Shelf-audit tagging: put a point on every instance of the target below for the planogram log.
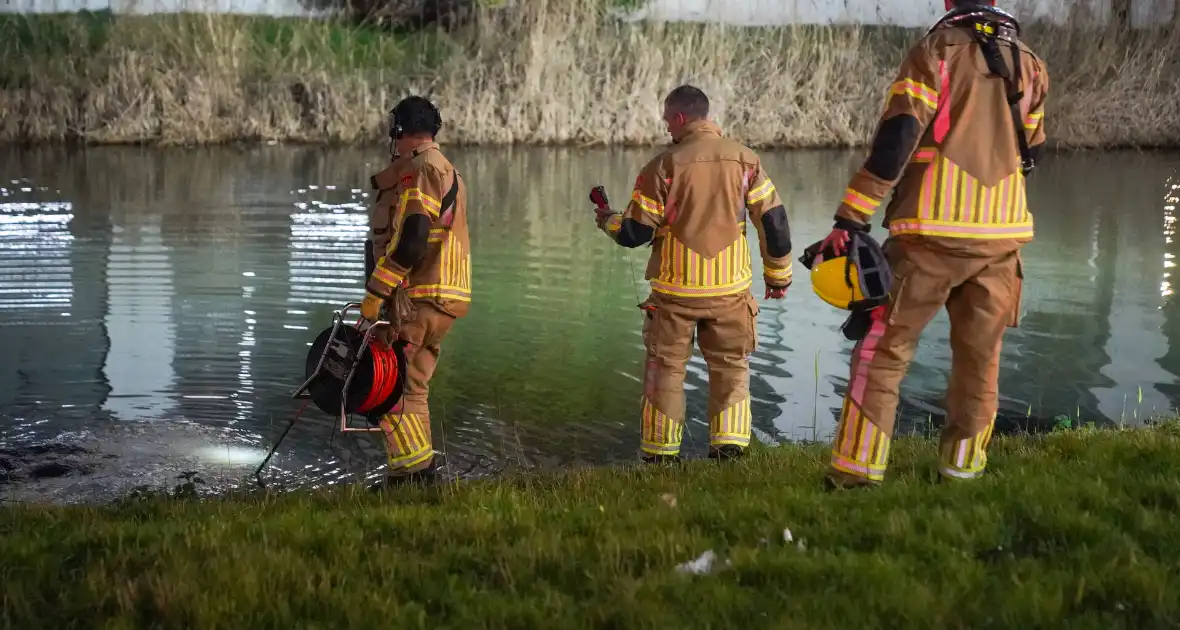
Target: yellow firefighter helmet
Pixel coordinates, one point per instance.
(859, 279)
(834, 284)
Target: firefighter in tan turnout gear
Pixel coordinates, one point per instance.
(963, 122)
(691, 203)
(418, 260)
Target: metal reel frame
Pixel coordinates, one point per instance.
(301, 392)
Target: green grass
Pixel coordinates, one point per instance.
(1077, 529)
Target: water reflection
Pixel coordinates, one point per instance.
(181, 288)
(36, 267)
(140, 330)
(325, 262)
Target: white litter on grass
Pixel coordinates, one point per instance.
(703, 565)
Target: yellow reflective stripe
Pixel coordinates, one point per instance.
(732, 425)
(454, 264)
(411, 460)
(859, 448)
(1033, 120)
(920, 91)
(860, 202)
(647, 203)
(660, 434)
(959, 229)
(951, 200)
(966, 458)
(406, 440)
(613, 224)
(684, 272)
(845, 465)
(386, 276)
(777, 274)
(760, 192)
(457, 294)
(430, 204)
(669, 288)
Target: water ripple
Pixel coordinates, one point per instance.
(157, 306)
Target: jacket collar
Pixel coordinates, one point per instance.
(696, 129)
(389, 176)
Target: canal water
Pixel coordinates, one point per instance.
(156, 307)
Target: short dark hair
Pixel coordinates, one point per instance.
(688, 100)
(415, 115)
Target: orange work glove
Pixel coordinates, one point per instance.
(371, 306)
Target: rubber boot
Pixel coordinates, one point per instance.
(835, 480)
(727, 452)
(425, 477)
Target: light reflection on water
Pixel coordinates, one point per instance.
(176, 292)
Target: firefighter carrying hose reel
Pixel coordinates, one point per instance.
(350, 369)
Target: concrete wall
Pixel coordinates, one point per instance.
(913, 13)
(254, 7)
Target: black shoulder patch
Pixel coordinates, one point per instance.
(777, 231)
(895, 141)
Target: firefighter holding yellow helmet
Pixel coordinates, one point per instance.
(962, 125)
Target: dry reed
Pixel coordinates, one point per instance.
(550, 72)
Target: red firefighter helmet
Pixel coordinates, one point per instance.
(950, 4)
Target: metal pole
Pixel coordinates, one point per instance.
(278, 442)
(266, 460)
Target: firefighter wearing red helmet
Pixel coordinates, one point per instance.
(963, 123)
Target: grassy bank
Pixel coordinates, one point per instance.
(556, 71)
(1075, 529)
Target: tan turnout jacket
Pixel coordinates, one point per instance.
(698, 195)
(962, 187)
(418, 183)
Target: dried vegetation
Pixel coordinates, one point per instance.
(544, 72)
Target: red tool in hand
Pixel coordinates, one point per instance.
(601, 203)
(602, 210)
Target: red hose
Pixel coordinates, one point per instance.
(385, 376)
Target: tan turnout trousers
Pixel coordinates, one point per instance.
(982, 298)
(726, 332)
(407, 427)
